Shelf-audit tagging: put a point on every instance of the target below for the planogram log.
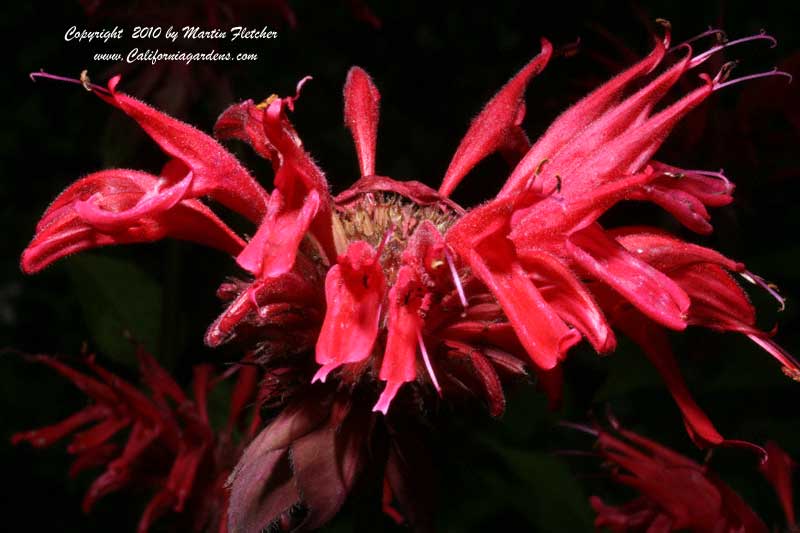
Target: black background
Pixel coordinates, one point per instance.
(436, 64)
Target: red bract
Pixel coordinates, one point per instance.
(393, 295)
(676, 493)
(171, 445)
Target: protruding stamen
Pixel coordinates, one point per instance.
(385, 240)
(292, 99)
(456, 278)
(612, 418)
(720, 35)
(790, 366)
(749, 446)
(267, 101)
(251, 295)
(428, 362)
(83, 80)
(569, 49)
(763, 36)
(725, 72)
(667, 25)
(580, 427)
(773, 72)
(711, 174)
(771, 288)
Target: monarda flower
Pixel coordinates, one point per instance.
(390, 296)
(677, 493)
(171, 445)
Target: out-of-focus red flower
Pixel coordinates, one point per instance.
(391, 293)
(171, 445)
(779, 470)
(676, 493)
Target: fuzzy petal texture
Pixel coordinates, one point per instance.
(361, 113)
(354, 292)
(576, 119)
(120, 207)
(245, 122)
(400, 358)
(498, 124)
(654, 293)
(217, 173)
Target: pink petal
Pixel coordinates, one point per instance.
(217, 173)
(655, 294)
(498, 121)
(655, 345)
(271, 251)
(575, 119)
(400, 358)
(361, 113)
(718, 302)
(710, 188)
(600, 137)
(542, 333)
(65, 233)
(667, 253)
(153, 202)
(779, 469)
(687, 209)
(354, 291)
(245, 122)
(570, 299)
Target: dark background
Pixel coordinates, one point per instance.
(436, 65)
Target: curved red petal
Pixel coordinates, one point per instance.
(497, 123)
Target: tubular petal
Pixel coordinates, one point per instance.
(778, 469)
(399, 360)
(354, 291)
(245, 122)
(497, 123)
(655, 294)
(655, 345)
(361, 114)
(543, 334)
(217, 172)
(576, 118)
(568, 296)
(271, 251)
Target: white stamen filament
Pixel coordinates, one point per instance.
(711, 174)
(428, 362)
(773, 72)
(456, 279)
(699, 59)
(711, 31)
(757, 280)
(385, 240)
(789, 363)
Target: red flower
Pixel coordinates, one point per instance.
(779, 469)
(123, 206)
(171, 445)
(676, 493)
(419, 294)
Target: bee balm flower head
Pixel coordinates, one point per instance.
(392, 295)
